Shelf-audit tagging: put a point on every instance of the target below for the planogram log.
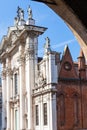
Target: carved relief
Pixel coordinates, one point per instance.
(41, 80)
(15, 70)
(14, 36)
(21, 59)
(29, 53)
(9, 72)
(3, 74)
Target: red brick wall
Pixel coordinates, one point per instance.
(74, 114)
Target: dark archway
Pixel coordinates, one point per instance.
(74, 13)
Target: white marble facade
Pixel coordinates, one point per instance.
(28, 82)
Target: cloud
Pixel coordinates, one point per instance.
(58, 45)
(63, 43)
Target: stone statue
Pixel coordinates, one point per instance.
(20, 13)
(47, 45)
(29, 12)
(47, 42)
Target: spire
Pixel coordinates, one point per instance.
(30, 20)
(65, 48)
(81, 53)
(81, 65)
(81, 61)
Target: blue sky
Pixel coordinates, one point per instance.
(58, 32)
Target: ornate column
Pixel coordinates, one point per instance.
(3, 96)
(21, 85)
(8, 85)
(30, 70)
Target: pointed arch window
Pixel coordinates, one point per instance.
(61, 109)
(76, 109)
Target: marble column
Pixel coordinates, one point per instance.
(8, 85)
(22, 85)
(30, 71)
(3, 96)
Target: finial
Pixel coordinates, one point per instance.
(30, 15)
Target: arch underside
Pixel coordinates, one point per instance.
(74, 14)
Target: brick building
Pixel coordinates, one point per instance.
(72, 93)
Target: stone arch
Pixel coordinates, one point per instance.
(72, 21)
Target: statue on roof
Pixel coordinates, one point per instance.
(47, 45)
(29, 13)
(47, 42)
(20, 13)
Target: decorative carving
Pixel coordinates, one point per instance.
(14, 36)
(21, 59)
(9, 72)
(15, 70)
(3, 74)
(29, 53)
(41, 81)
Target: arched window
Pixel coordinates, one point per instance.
(61, 109)
(76, 109)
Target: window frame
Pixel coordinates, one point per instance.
(37, 115)
(45, 118)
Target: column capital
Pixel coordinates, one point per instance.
(3, 74)
(9, 72)
(29, 53)
(21, 59)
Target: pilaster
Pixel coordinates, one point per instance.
(3, 96)
(21, 60)
(30, 72)
(52, 69)
(8, 85)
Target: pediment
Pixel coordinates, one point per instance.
(67, 69)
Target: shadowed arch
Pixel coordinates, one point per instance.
(72, 18)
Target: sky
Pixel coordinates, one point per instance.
(58, 32)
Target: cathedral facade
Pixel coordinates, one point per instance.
(46, 93)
